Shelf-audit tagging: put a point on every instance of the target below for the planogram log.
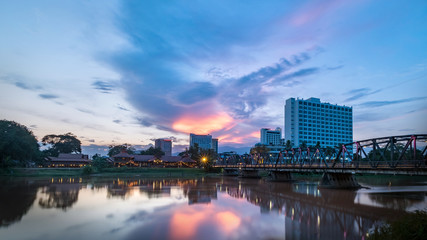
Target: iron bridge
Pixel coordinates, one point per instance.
(405, 154)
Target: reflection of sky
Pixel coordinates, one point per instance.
(95, 216)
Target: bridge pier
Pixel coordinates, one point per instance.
(244, 173)
(230, 172)
(281, 176)
(339, 180)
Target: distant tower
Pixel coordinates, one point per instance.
(203, 141)
(165, 145)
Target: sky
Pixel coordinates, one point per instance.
(114, 72)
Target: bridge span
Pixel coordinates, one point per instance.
(402, 155)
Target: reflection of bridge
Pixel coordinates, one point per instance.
(387, 155)
(310, 212)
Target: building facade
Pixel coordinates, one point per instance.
(165, 145)
(203, 141)
(215, 145)
(270, 137)
(312, 121)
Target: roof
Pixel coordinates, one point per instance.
(65, 157)
(72, 156)
(123, 155)
(177, 159)
(143, 158)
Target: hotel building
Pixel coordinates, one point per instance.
(270, 137)
(312, 121)
(165, 145)
(204, 142)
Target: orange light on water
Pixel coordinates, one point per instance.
(202, 124)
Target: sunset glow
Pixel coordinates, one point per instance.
(202, 124)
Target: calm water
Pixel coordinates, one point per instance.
(209, 208)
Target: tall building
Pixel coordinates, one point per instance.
(165, 145)
(215, 145)
(312, 121)
(203, 141)
(270, 137)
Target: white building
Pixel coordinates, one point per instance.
(203, 141)
(311, 121)
(165, 145)
(270, 137)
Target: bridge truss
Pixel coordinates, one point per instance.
(395, 152)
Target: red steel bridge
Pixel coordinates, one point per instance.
(405, 155)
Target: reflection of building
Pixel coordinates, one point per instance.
(165, 145)
(68, 160)
(270, 137)
(311, 121)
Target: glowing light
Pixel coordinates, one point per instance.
(202, 124)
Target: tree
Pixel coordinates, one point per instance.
(303, 145)
(157, 152)
(259, 149)
(100, 163)
(116, 149)
(64, 143)
(17, 143)
(288, 145)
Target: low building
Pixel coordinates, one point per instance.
(68, 160)
(130, 160)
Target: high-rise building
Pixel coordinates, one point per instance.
(312, 121)
(215, 145)
(270, 137)
(165, 145)
(203, 141)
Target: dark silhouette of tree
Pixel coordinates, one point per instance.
(157, 152)
(259, 149)
(64, 143)
(288, 145)
(100, 163)
(303, 145)
(116, 149)
(17, 143)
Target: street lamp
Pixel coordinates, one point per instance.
(204, 159)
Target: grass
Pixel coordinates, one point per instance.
(108, 172)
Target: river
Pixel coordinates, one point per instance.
(200, 208)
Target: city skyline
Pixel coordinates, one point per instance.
(129, 72)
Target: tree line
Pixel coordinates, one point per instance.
(20, 148)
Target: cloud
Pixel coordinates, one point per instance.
(360, 93)
(48, 96)
(245, 95)
(103, 86)
(117, 121)
(386, 103)
(24, 86)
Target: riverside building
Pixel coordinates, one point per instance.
(312, 121)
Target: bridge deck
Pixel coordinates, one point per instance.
(322, 169)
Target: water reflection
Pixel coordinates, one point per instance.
(16, 198)
(207, 208)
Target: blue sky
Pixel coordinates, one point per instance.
(115, 72)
